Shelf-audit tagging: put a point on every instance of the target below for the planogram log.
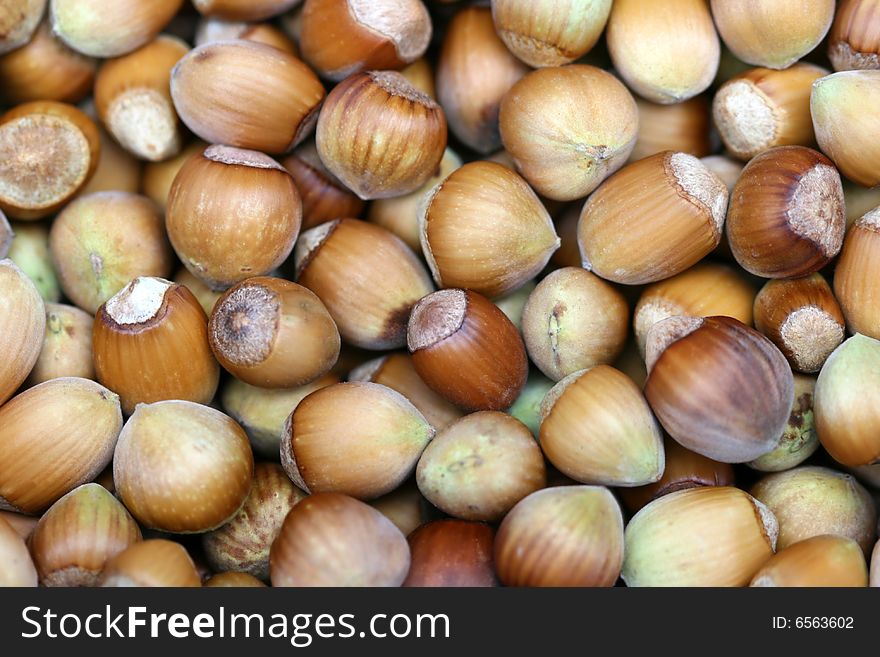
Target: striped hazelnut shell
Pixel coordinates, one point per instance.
(79, 534)
(367, 278)
(704, 536)
(857, 274)
(786, 216)
(360, 439)
(467, 350)
(562, 536)
(182, 467)
(330, 539)
(686, 205)
(597, 428)
(150, 342)
(60, 434)
(718, 387)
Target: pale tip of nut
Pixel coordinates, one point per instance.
(816, 211)
(5, 505)
(423, 211)
(435, 317)
(214, 29)
(870, 220)
(664, 333)
(745, 118)
(139, 301)
(367, 371)
(844, 58)
(647, 314)
(406, 23)
(763, 581)
(288, 460)
(144, 122)
(45, 159)
(396, 84)
(769, 523)
(244, 324)
(241, 157)
(6, 235)
(309, 242)
(702, 187)
(810, 334)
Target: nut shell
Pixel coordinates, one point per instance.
(857, 274)
(451, 553)
(154, 562)
(361, 439)
(854, 42)
(79, 534)
(232, 214)
(767, 33)
(380, 135)
(45, 69)
(262, 412)
(703, 290)
(243, 543)
(573, 320)
(484, 229)
(819, 561)
(597, 428)
(718, 387)
(467, 350)
(378, 34)
(219, 92)
(22, 327)
(150, 342)
(666, 52)
(683, 469)
(802, 318)
(16, 566)
(683, 127)
(133, 99)
(366, 276)
(18, 22)
(182, 467)
(237, 580)
(474, 72)
(844, 131)
(330, 539)
(273, 333)
(244, 10)
(686, 203)
(30, 251)
(101, 241)
(398, 372)
(49, 151)
(95, 28)
(61, 433)
(566, 536)
(480, 466)
(847, 402)
(762, 108)
(323, 197)
(67, 345)
(800, 438)
(705, 536)
(811, 501)
(786, 216)
(588, 127)
(550, 33)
